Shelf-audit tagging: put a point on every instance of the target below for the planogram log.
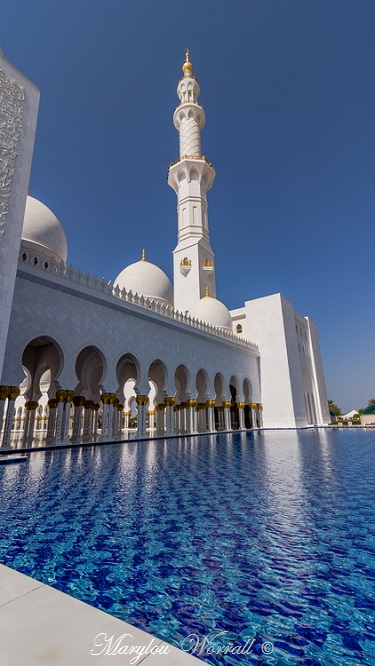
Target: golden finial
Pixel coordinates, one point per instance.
(143, 255)
(187, 67)
(207, 294)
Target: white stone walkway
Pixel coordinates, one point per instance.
(40, 626)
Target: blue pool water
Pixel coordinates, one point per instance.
(266, 537)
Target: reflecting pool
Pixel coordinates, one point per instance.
(242, 549)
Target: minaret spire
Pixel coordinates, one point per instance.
(191, 176)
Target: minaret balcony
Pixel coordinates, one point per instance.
(208, 266)
(185, 266)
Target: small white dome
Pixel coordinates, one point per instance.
(211, 311)
(146, 279)
(42, 231)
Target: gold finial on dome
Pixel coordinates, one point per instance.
(207, 293)
(143, 255)
(187, 67)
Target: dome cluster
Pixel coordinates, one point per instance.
(43, 233)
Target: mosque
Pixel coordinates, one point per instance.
(83, 359)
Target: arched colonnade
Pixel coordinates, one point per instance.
(154, 397)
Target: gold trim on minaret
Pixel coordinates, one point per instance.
(207, 292)
(187, 67)
(143, 255)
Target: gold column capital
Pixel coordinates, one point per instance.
(14, 392)
(79, 401)
(61, 395)
(160, 407)
(169, 401)
(253, 405)
(191, 402)
(96, 407)
(142, 400)
(120, 407)
(31, 405)
(201, 405)
(52, 403)
(4, 392)
(226, 404)
(241, 405)
(259, 405)
(106, 398)
(211, 403)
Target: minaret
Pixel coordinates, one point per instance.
(191, 176)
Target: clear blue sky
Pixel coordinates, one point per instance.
(288, 88)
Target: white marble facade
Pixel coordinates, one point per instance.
(88, 359)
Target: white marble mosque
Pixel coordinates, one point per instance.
(83, 359)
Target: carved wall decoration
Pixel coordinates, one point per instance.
(12, 102)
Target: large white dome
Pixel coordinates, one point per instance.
(146, 279)
(42, 231)
(211, 311)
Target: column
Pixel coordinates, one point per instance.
(227, 421)
(60, 395)
(159, 409)
(142, 401)
(202, 417)
(151, 419)
(79, 402)
(4, 393)
(127, 418)
(220, 417)
(210, 407)
(12, 395)
(176, 419)
(120, 409)
(95, 418)
(28, 426)
(241, 415)
(191, 414)
(113, 402)
(253, 409)
(66, 417)
(260, 414)
(105, 398)
(52, 415)
(169, 416)
(88, 419)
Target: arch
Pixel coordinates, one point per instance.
(202, 385)
(182, 382)
(234, 392)
(247, 390)
(194, 175)
(158, 374)
(42, 354)
(239, 329)
(219, 386)
(90, 368)
(127, 367)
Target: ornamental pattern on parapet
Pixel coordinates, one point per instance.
(12, 102)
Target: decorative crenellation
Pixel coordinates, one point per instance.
(58, 269)
(12, 102)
